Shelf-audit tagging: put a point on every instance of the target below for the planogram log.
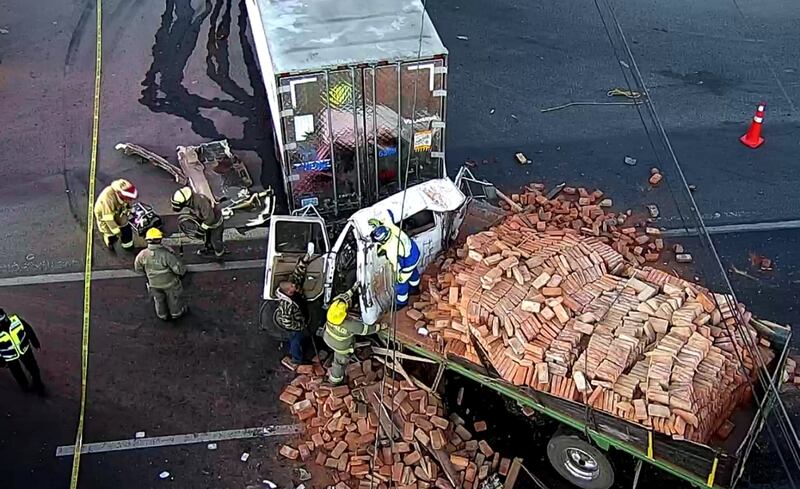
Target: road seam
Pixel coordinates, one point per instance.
(119, 273)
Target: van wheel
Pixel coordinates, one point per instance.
(267, 322)
(580, 463)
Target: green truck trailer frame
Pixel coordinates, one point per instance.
(654, 448)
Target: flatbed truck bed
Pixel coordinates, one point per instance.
(719, 464)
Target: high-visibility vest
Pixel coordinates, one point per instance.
(339, 338)
(14, 343)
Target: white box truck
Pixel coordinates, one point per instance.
(356, 89)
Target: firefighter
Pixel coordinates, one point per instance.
(111, 211)
(209, 215)
(16, 339)
(401, 251)
(340, 333)
(292, 312)
(164, 271)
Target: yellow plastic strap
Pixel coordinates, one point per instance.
(650, 445)
(710, 481)
(87, 271)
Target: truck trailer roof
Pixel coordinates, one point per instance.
(307, 36)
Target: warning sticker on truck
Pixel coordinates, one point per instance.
(423, 140)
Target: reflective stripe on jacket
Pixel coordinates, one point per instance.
(341, 338)
(14, 343)
(401, 251)
(110, 212)
(162, 267)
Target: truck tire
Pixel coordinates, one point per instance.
(266, 320)
(578, 462)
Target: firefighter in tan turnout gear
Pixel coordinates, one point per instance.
(208, 213)
(164, 271)
(111, 211)
(340, 333)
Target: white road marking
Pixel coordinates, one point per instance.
(735, 228)
(173, 440)
(55, 278)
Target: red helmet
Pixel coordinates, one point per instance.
(125, 189)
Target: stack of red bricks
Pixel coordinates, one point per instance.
(417, 445)
(574, 316)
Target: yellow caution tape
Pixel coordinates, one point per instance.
(650, 445)
(710, 481)
(87, 272)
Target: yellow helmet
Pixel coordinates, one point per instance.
(337, 311)
(181, 197)
(153, 234)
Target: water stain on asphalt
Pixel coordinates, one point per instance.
(164, 89)
(77, 33)
(710, 81)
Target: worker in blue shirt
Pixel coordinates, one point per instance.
(401, 251)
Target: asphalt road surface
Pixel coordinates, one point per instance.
(183, 72)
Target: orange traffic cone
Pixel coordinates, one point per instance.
(753, 137)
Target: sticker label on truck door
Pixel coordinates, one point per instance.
(423, 141)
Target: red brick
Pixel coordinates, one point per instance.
(479, 426)
(340, 390)
(437, 440)
(485, 449)
(412, 458)
(401, 447)
(397, 471)
(421, 436)
(289, 452)
(339, 449)
(505, 464)
(287, 398)
(459, 461)
(440, 422)
(305, 369)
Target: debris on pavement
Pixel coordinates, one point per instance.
(211, 446)
(163, 475)
(139, 434)
(762, 262)
(418, 445)
(462, 38)
(653, 210)
(630, 161)
(303, 474)
(269, 484)
(683, 257)
(556, 298)
(578, 210)
(3, 31)
(244, 457)
(655, 177)
(522, 159)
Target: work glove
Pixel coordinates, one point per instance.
(374, 222)
(309, 250)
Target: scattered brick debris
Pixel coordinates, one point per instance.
(342, 423)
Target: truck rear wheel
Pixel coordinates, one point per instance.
(580, 463)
